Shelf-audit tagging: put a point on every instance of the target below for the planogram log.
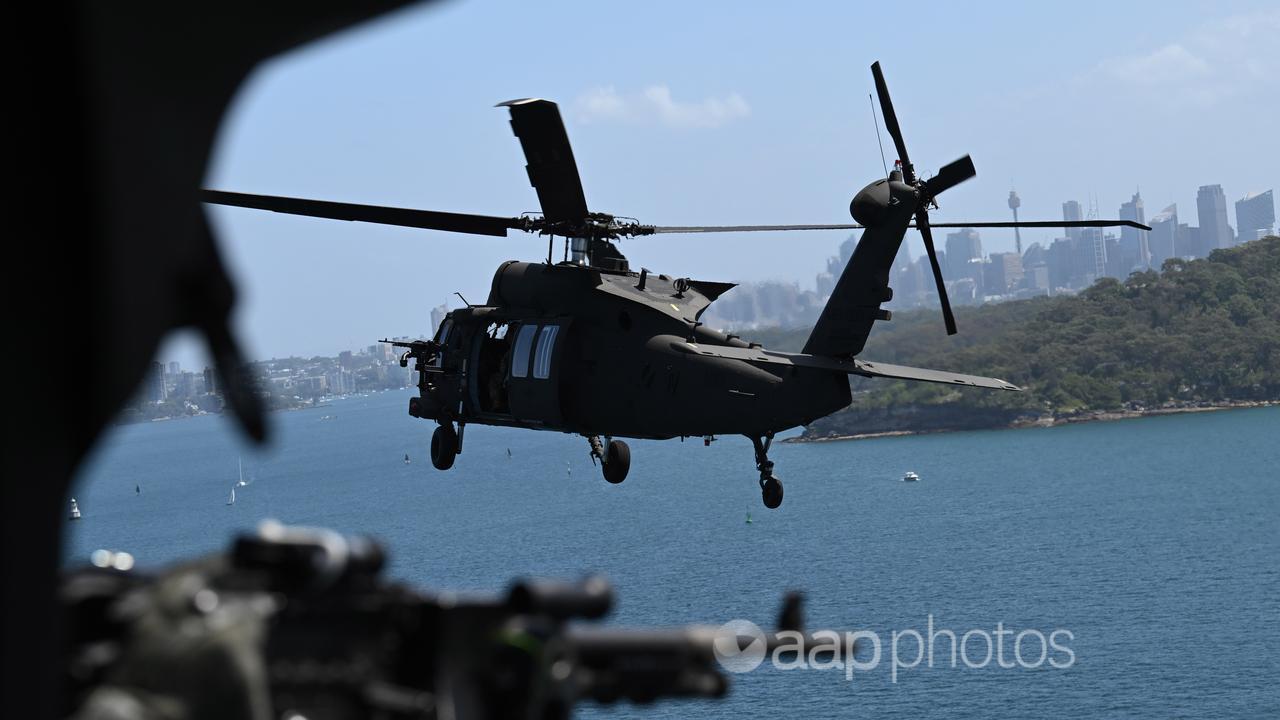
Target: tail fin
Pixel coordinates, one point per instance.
(846, 321)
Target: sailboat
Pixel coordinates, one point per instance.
(75, 510)
(232, 500)
(137, 489)
(748, 518)
(508, 453)
(406, 458)
(241, 482)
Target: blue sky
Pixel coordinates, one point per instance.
(715, 113)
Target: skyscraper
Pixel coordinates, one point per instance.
(1256, 215)
(1091, 249)
(1163, 239)
(1211, 205)
(155, 383)
(963, 246)
(1071, 212)
(438, 314)
(1014, 204)
(1134, 242)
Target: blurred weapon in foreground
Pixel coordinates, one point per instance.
(296, 623)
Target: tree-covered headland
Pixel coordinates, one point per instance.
(1196, 333)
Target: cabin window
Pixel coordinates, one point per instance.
(546, 343)
(520, 355)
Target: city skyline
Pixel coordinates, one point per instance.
(740, 114)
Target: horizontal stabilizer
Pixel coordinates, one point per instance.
(904, 372)
(852, 366)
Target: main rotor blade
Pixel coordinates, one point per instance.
(951, 174)
(1048, 223)
(552, 170)
(891, 123)
(745, 228)
(403, 217)
(922, 223)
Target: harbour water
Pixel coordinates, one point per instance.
(1155, 543)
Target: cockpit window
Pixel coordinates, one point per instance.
(520, 355)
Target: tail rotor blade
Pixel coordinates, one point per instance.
(951, 175)
(922, 224)
(891, 123)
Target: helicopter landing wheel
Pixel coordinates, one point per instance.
(617, 461)
(770, 486)
(444, 447)
(771, 491)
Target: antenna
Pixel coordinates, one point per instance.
(878, 140)
(464, 300)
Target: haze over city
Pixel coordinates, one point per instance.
(691, 122)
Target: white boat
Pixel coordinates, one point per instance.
(910, 477)
(232, 500)
(75, 510)
(406, 458)
(240, 482)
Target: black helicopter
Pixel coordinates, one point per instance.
(590, 347)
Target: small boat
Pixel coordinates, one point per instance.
(232, 500)
(748, 518)
(406, 458)
(240, 482)
(568, 469)
(508, 453)
(137, 489)
(75, 510)
(910, 477)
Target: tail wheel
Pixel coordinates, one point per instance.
(617, 461)
(444, 447)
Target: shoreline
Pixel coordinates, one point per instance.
(1046, 421)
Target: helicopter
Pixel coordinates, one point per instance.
(589, 346)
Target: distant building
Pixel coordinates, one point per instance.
(155, 383)
(1215, 233)
(1091, 256)
(438, 314)
(1071, 212)
(1036, 278)
(210, 381)
(1060, 260)
(1255, 215)
(1035, 268)
(184, 385)
(963, 247)
(1189, 242)
(1163, 238)
(1134, 250)
(1014, 203)
(174, 367)
(826, 281)
(1003, 273)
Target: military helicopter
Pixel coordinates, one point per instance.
(588, 346)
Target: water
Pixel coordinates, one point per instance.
(1153, 541)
